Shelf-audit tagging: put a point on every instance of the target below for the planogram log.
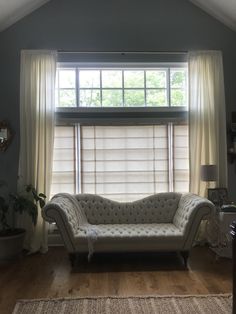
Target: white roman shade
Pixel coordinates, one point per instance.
(64, 160)
(126, 163)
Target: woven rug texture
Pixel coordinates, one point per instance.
(208, 304)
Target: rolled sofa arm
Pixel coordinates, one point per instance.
(64, 210)
(192, 209)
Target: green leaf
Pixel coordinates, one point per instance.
(24, 203)
(41, 203)
(28, 188)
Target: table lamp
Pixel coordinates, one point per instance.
(208, 174)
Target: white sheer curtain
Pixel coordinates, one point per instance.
(207, 121)
(37, 81)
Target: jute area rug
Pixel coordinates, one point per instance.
(208, 304)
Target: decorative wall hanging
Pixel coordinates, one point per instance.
(6, 135)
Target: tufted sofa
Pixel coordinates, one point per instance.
(161, 222)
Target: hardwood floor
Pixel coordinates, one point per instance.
(50, 276)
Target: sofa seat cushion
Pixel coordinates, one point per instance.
(131, 237)
(132, 231)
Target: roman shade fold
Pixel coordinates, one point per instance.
(126, 163)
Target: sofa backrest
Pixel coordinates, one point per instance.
(157, 208)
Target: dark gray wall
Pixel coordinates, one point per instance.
(108, 25)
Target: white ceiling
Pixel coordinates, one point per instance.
(13, 10)
(223, 10)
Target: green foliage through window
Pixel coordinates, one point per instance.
(122, 87)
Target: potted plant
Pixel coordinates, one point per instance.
(11, 237)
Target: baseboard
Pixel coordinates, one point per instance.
(222, 252)
(54, 239)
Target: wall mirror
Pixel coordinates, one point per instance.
(5, 135)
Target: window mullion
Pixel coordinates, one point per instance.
(170, 156)
(101, 88)
(154, 160)
(77, 87)
(168, 87)
(95, 158)
(58, 89)
(79, 162)
(123, 89)
(145, 89)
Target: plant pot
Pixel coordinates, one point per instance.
(11, 244)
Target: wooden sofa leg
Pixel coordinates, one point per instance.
(185, 255)
(72, 257)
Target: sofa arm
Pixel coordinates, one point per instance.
(191, 210)
(64, 209)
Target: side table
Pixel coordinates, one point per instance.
(233, 235)
(222, 244)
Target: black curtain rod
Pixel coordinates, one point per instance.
(123, 53)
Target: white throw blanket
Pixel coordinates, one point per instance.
(90, 230)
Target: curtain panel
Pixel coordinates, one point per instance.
(37, 84)
(207, 119)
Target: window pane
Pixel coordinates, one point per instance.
(156, 98)
(112, 98)
(66, 78)
(133, 79)
(89, 78)
(56, 98)
(111, 79)
(90, 98)
(178, 97)
(57, 80)
(156, 79)
(177, 78)
(67, 98)
(134, 98)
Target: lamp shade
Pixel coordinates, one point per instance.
(208, 173)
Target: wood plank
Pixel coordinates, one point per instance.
(50, 276)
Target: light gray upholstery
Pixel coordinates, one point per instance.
(161, 222)
(159, 208)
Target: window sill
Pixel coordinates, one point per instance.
(127, 115)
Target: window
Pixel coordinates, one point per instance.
(136, 148)
(129, 87)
